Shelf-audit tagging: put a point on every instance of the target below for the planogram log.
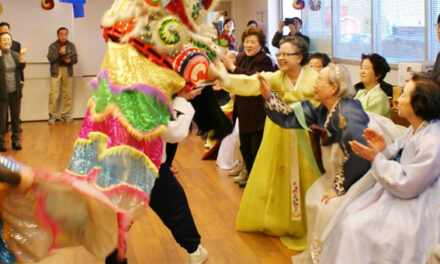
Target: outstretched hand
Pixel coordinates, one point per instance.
(24, 50)
(264, 86)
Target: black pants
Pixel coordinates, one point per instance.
(169, 202)
(249, 145)
(13, 103)
(171, 150)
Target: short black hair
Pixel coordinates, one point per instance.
(62, 28)
(380, 64)
(301, 44)
(438, 19)
(252, 22)
(425, 99)
(325, 59)
(5, 24)
(4, 33)
(299, 19)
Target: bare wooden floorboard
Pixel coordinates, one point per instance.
(213, 197)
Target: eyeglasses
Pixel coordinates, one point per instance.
(287, 54)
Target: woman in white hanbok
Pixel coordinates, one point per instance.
(398, 219)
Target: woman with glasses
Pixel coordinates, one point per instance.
(284, 167)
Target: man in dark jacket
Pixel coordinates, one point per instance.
(295, 26)
(62, 56)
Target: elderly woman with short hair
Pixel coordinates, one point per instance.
(249, 109)
(338, 120)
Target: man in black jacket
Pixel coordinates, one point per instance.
(295, 26)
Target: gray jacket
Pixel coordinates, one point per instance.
(54, 57)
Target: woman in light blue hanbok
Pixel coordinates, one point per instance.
(398, 219)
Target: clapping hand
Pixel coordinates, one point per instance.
(24, 50)
(229, 64)
(375, 139)
(66, 59)
(63, 50)
(375, 144)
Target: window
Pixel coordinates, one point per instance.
(352, 28)
(287, 11)
(434, 44)
(400, 30)
(318, 27)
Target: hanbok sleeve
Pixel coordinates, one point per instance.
(413, 174)
(301, 115)
(378, 103)
(245, 85)
(392, 150)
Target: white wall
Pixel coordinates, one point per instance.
(37, 28)
(34, 104)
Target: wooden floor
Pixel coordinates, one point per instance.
(213, 197)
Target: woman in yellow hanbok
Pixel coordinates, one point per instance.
(273, 200)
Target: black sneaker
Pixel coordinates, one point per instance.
(16, 145)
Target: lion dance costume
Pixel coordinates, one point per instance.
(154, 49)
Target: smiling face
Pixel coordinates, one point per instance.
(251, 45)
(405, 108)
(5, 42)
(323, 88)
(287, 61)
(367, 74)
